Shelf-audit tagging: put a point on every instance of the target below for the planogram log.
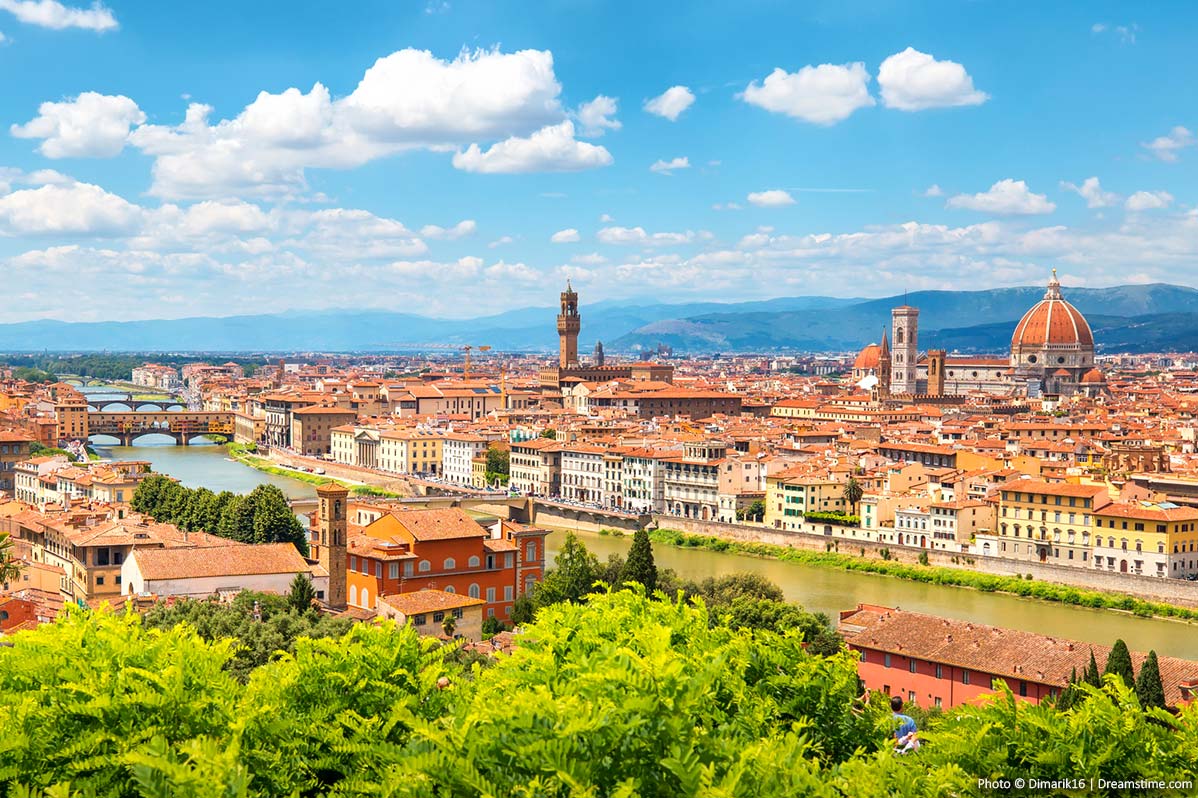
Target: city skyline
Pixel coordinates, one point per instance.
(455, 159)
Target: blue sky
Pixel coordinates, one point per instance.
(461, 158)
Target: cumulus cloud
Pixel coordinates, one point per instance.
(597, 116)
(90, 125)
(823, 95)
(56, 16)
(933, 190)
(1168, 147)
(662, 167)
(10, 177)
(1148, 201)
(461, 229)
(567, 236)
(636, 236)
(773, 198)
(671, 103)
(550, 149)
(502, 241)
(407, 100)
(914, 81)
(1006, 197)
(75, 209)
(1092, 193)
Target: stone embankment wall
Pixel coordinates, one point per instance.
(1174, 591)
(395, 484)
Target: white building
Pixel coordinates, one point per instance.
(582, 473)
(457, 455)
(642, 478)
(202, 572)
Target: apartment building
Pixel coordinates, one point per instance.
(1152, 538)
(1046, 522)
(536, 467)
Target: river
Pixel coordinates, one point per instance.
(829, 590)
(824, 590)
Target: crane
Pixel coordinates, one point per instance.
(467, 349)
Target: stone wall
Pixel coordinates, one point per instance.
(395, 484)
(1175, 591)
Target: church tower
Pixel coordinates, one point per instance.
(905, 333)
(884, 370)
(331, 538)
(599, 356)
(568, 324)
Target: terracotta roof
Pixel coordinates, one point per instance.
(267, 558)
(424, 601)
(443, 524)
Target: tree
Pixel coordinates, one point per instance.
(1119, 663)
(853, 493)
(273, 520)
(1092, 675)
(524, 609)
(640, 567)
(302, 594)
(1070, 695)
(491, 627)
(499, 463)
(754, 512)
(448, 625)
(549, 433)
(1149, 687)
(573, 576)
(10, 566)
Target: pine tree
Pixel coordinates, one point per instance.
(301, 594)
(1092, 675)
(1149, 687)
(1069, 696)
(639, 567)
(1119, 663)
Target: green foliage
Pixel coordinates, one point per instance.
(754, 512)
(262, 516)
(923, 558)
(639, 567)
(491, 627)
(30, 374)
(573, 576)
(370, 490)
(836, 519)
(260, 632)
(499, 463)
(550, 433)
(1092, 676)
(10, 567)
(40, 450)
(302, 594)
(1119, 664)
(853, 492)
(1149, 689)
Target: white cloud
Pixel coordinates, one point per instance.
(606, 218)
(773, 198)
(1092, 193)
(78, 209)
(512, 272)
(3, 38)
(933, 190)
(500, 242)
(90, 125)
(823, 95)
(668, 167)
(1166, 147)
(590, 259)
(550, 149)
(1148, 201)
(671, 103)
(914, 81)
(597, 116)
(10, 177)
(1006, 197)
(54, 15)
(567, 236)
(726, 206)
(461, 229)
(1126, 33)
(636, 236)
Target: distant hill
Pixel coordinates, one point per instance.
(1134, 318)
(366, 330)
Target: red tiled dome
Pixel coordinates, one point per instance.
(1052, 321)
(1093, 376)
(868, 358)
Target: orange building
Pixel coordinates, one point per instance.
(404, 551)
(944, 662)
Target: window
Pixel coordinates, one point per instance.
(508, 560)
(353, 594)
(911, 665)
(353, 563)
(964, 677)
(425, 565)
(1023, 689)
(458, 613)
(393, 570)
(99, 580)
(508, 592)
(886, 661)
(939, 671)
(938, 702)
(491, 594)
(530, 551)
(450, 563)
(378, 569)
(449, 589)
(910, 696)
(473, 591)
(407, 568)
(418, 620)
(474, 561)
(438, 617)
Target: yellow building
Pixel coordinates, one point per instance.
(788, 498)
(1049, 522)
(410, 452)
(1155, 539)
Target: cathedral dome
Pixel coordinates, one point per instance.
(1052, 322)
(868, 358)
(1093, 376)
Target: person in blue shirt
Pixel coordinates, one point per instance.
(905, 733)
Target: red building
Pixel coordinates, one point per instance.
(402, 551)
(943, 662)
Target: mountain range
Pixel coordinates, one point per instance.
(1130, 318)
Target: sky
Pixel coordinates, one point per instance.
(456, 158)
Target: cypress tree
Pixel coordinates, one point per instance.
(639, 567)
(1149, 687)
(301, 594)
(1069, 696)
(1119, 663)
(1092, 675)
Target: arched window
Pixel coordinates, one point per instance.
(425, 565)
(530, 551)
(473, 591)
(450, 563)
(365, 598)
(474, 561)
(449, 589)
(353, 594)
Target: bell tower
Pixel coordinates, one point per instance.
(905, 340)
(331, 538)
(884, 369)
(568, 325)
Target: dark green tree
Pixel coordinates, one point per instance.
(499, 464)
(852, 494)
(524, 609)
(1149, 687)
(1069, 696)
(639, 566)
(549, 433)
(1119, 663)
(491, 627)
(302, 594)
(10, 567)
(612, 569)
(573, 576)
(273, 520)
(1093, 676)
(754, 512)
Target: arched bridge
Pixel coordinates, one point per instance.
(104, 401)
(128, 426)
